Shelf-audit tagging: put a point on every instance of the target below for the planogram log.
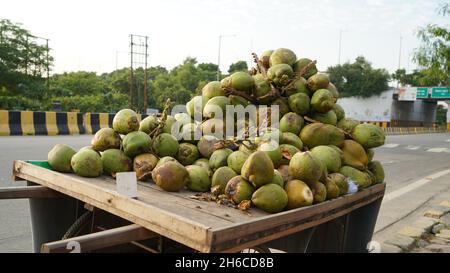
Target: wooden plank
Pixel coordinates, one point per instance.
(174, 226)
(197, 224)
(167, 202)
(28, 192)
(102, 239)
(227, 213)
(264, 229)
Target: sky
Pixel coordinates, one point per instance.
(93, 35)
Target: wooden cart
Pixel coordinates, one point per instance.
(159, 221)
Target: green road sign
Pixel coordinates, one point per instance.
(440, 92)
(422, 92)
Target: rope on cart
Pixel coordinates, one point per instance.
(77, 225)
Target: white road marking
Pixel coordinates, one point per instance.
(390, 145)
(414, 185)
(412, 147)
(389, 162)
(437, 150)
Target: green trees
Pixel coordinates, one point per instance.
(23, 62)
(358, 78)
(238, 66)
(181, 83)
(432, 57)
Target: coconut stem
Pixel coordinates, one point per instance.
(259, 66)
(304, 69)
(232, 91)
(158, 130)
(299, 75)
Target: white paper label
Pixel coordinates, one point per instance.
(127, 184)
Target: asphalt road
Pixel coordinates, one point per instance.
(406, 160)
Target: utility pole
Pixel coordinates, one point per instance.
(218, 59)
(139, 56)
(117, 56)
(145, 75)
(340, 46)
(131, 72)
(218, 55)
(48, 66)
(399, 57)
(400, 53)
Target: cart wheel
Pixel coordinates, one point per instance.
(256, 249)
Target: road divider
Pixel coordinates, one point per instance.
(414, 130)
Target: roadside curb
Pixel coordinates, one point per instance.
(428, 234)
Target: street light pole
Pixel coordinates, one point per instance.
(340, 46)
(218, 59)
(218, 55)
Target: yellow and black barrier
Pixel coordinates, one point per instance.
(40, 123)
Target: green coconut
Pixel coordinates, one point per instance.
(280, 74)
(211, 90)
(328, 117)
(87, 163)
(125, 121)
(361, 179)
(170, 176)
(291, 122)
(258, 169)
(136, 143)
(347, 124)
(282, 56)
(329, 156)
(220, 179)
(278, 178)
(148, 124)
(272, 149)
(305, 167)
(369, 136)
(238, 189)
(59, 158)
(292, 139)
(318, 81)
(198, 179)
(339, 111)
(115, 161)
(165, 145)
(299, 103)
(187, 154)
(219, 158)
(271, 198)
(106, 138)
(322, 101)
(206, 145)
(316, 134)
(143, 165)
(236, 160)
(299, 194)
(300, 65)
(204, 163)
(216, 106)
(377, 170)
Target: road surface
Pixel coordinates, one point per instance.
(417, 169)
